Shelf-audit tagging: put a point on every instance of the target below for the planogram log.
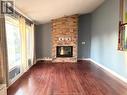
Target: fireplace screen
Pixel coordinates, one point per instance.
(64, 51)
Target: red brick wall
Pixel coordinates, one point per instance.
(65, 27)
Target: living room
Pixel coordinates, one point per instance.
(63, 47)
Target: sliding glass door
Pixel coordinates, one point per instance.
(20, 46)
(29, 45)
(13, 47)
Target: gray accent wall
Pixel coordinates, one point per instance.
(84, 35)
(104, 38)
(43, 40)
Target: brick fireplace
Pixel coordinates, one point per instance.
(64, 39)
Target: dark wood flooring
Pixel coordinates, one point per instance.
(81, 78)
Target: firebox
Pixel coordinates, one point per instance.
(64, 51)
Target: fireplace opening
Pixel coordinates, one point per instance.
(64, 51)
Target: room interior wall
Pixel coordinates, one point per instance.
(84, 36)
(43, 40)
(104, 38)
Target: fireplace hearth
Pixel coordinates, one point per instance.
(64, 51)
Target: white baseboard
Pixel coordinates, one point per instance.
(50, 59)
(87, 59)
(110, 71)
(41, 59)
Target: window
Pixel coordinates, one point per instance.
(29, 44)
(122, 42)
(20, 46)
(13, 43)
(125, 38)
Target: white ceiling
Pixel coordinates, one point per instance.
(42, 11)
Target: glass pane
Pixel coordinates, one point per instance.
(13, 45)
(125, 38)
(29, 45)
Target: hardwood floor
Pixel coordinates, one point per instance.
(82, 78)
